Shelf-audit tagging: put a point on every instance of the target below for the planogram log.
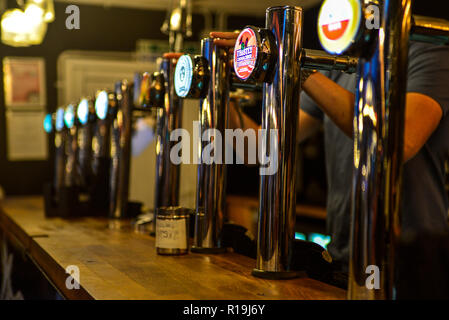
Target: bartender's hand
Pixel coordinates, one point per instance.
(173, 55)
(224, 39)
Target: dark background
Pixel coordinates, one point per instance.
(108, 29)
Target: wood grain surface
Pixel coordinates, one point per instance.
(119, 263)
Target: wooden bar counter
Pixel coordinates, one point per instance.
(118, 263)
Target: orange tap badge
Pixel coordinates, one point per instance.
(245, 54)
(338, 24)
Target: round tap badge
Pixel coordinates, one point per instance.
(245, 53)
(183, 76)
(101, 105)
(338, 24)
(48, 123)
(69, 116)
(59, 123)
(83, 111)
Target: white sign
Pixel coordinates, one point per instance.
(26, 137)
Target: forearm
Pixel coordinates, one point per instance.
(239, 120)
(335, 101)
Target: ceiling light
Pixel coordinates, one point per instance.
(22, 28)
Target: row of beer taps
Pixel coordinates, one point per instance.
(99, 130)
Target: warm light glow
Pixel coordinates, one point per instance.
(175, 20)
(22, 28)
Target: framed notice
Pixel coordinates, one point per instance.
(26, 138)
(24, 83)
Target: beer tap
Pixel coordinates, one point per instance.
(54, 123)
(274, 56)
(378, 127)
(121, 136)
(86, 123)
(72, 179)
(101, 146)
(207, 77)
(147, 93)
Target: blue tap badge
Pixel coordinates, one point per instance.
(59, 125)
(69, 116)
(83, 111)
(48, 125)
(101, 105)
(183, 76)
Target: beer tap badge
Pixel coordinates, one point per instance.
(83, 111)
(48, 123)
(245, 54)
(338, 24)
(183, 76)
(59, 123)
(69, 116)
(102, 104)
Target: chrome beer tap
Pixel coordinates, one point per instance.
(101, 148)
(169, 118)
(86, 126)
(146, 93)
(71, 175)
(207, 77)
(378, 127)
(101, 139)
(156, 92)
(275, 56)
(54, 123)
(121, 113)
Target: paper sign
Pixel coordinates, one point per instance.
(26, 137)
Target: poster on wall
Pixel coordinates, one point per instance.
(24, 83)
(26, 139)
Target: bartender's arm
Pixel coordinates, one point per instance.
(422, 113)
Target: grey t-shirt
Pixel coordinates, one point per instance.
(425, 202)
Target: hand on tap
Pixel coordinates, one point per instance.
(172, 55)
(226, 39)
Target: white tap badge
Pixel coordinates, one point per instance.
(183, 76)
(102, 104)
(338, 24)
(83, 111)
(69, 116)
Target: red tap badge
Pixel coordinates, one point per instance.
(338, 24)
(245, 53)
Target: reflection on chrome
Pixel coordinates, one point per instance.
(169, 118)
(120, 149)
(378, 149)
(211, 178)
